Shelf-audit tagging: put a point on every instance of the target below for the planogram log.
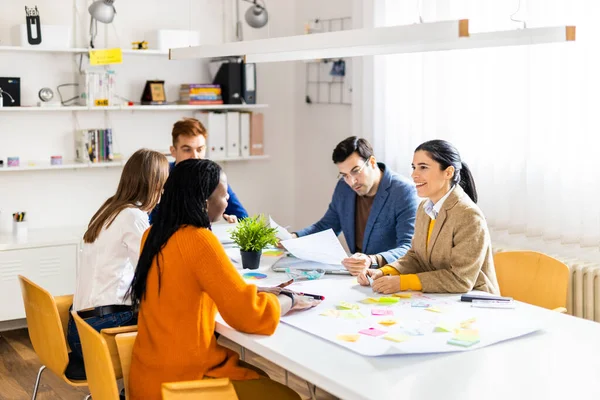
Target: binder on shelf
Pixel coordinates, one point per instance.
(216, 127)
(257, 134)
(233, 134)
(245, 133)
(249, 88)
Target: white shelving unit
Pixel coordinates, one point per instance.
(79, 50)
(106, 164)
(167, 107)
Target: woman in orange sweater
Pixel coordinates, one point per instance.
(182, 277)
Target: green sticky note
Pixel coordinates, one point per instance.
(351, 314)
(444, 328)
(462, 343)
(390, 300)
(344, 305)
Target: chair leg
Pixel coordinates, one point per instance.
(37, 382)
(88, 397)
(312, 389)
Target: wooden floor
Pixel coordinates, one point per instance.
(19, 366)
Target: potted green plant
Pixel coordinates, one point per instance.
(252, 235)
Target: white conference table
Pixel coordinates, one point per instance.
(560, 362)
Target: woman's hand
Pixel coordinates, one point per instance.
(387, 284)
(304, 302)
(373, 273)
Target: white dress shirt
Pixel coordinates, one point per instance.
(107, 266)
(434, 209)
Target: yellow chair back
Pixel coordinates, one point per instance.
(125, 343)
(47, 319)
(533, 278)
(98, 363)
(206, 389)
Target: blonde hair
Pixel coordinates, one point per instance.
(141, 184)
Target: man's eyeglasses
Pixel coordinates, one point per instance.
(354, 172)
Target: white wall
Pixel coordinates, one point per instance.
(70, 197)
(319, 127)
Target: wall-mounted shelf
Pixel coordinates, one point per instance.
(108, 164)
(78, 50)
(169, 107)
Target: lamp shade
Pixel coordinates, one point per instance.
(103, 11)
(257, 16)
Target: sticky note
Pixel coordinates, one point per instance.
(469, 335)
(379, 311)
(390, 300)
(344, 305)
(348, 337)
(388, 322)
(330, 313)
(350, 314)
(444, 327)
(272, 253)
(396, 337)
(106, 56)
(372, 332)
(369, 300)
(420, 304)
(433, 309)
(403, 295)
(414, 332)
(467, 323)
(462, 343)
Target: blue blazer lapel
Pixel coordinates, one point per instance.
(349, 212)
(380, 198)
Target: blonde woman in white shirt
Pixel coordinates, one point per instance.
(112, 247)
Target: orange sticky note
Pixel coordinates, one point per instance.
(369, 300)
(403, 295)
(348, 337)
(387, 322)
(433, 309)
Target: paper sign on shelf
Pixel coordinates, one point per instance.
(106, 56)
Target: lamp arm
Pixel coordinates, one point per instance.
(3, 92)
(255, 2)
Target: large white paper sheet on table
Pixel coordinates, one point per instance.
(282, 233)
(418, 324)
(222, 232)
(322, 247)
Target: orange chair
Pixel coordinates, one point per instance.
(47, 319)
(207, 389)
(533, 278)
(125, 343)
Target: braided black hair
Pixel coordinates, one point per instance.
(184, 202)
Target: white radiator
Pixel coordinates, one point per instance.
(583, 298)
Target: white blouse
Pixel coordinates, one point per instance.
(106, 267)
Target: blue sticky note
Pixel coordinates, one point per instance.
(420, 304)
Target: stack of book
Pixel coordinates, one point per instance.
(200, 94)
(94, 145)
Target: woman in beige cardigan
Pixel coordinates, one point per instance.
(451, 248)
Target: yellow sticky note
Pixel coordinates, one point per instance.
(390, 300)
(444, 328)
(330, 313)
(396, 337)
(403, 295)
(350, 314)
(433, 309)
(369, 300)
(348, 338)
(387, 322)
(106, 56)
(467, 323)
(344, 305)
(468, 335)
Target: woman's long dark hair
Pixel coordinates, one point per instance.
(445, 154)
(183, 202)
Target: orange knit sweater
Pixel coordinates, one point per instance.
(176, 340)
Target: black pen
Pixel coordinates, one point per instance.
(314, 296)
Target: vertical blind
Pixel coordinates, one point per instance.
(526, 119)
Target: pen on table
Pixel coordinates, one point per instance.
(284, 284)
(314, 296)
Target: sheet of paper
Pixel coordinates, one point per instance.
(222, 233)
(282, 233)
(322, 247)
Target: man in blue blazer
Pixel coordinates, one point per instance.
(373, 206)
(189, 141)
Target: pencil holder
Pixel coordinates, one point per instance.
(20, 228)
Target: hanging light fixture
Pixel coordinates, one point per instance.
(103, 11)
(257, 15)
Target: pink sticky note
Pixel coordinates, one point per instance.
(379, 311)
(372, 332)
